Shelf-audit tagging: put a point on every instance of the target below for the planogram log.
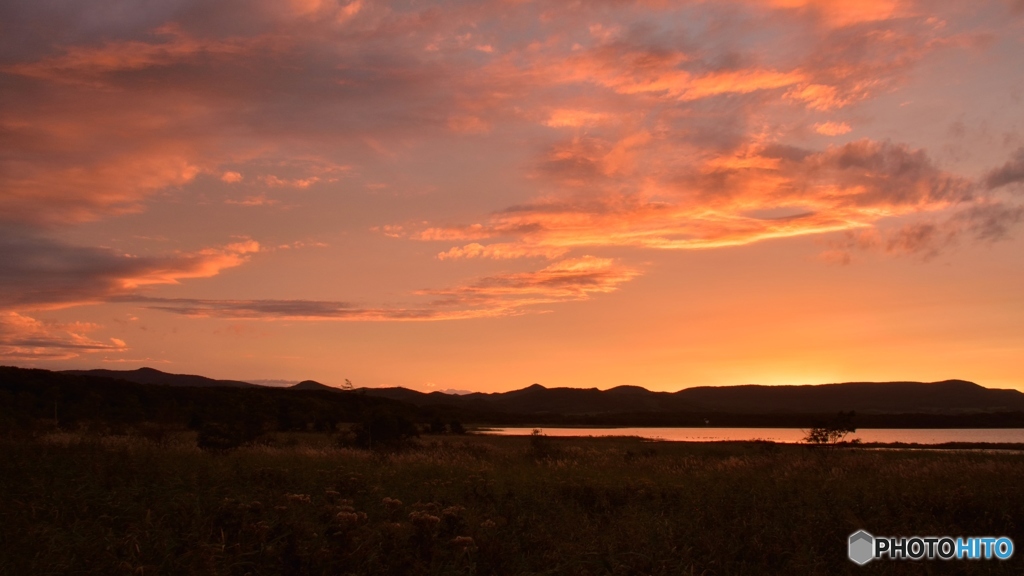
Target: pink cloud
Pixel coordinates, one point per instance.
(42, 274)
(727, 201)
(24, 338)
(570, 280)
(832, 128)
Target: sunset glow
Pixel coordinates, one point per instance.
(483, 195)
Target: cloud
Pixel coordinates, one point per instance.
(765, 192)
(275, 182)
(38, 273)
(563, 118)
(639, 70)
(565, 280)
(987, 222)
(832, 128)
(838, 14)
(96, 129)
(86, 64)
(24, 338)
(100, 117)
(644, 133)
(1010, 173)
(468, 125)
(511, 294)
(259, 200)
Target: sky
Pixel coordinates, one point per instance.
(487, 194)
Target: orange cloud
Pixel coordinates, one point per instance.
(511, 294)
(928, 235)
(767, 192)
(468, 125)
(86, 63)
(202, 264)
(844, 13)
(23, 338)
(42, 274)
(832, 128)
(630, 71)
(575, 118)
(565, 280)
(275, 182)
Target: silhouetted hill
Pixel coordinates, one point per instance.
(34, 395)
(312, 385)
(947, 397)
(28, 395)
(152, 376)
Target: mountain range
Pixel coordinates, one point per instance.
(945, 397)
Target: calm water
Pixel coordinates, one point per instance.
(920, 436)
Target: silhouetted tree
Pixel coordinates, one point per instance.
(832, 433)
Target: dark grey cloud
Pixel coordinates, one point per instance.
(38, 272)
(41, 272)
(276, 309)
(1010, 173)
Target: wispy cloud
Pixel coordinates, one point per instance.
(509, 294)
(766, 192)
(24, 338)
(1010, 173)
(39, 273)
(647, 125)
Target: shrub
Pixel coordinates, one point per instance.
(832, 433)
(222, 437)
(384, 430)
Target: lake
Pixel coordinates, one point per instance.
(789, 435)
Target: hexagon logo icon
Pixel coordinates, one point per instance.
(862, 547)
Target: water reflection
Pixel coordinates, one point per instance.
(790, 435)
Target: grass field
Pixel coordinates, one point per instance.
(74, 503)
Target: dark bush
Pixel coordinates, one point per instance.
(384, 430)
(222, 436)
(437, 426)
(456, 427)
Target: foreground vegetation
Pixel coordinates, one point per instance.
(300, 504)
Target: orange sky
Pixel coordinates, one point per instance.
(482, 195)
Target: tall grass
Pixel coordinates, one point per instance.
(487, 505)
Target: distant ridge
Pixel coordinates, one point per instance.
(312, 385)
(948, 396)
(152, 376)
(945, 397)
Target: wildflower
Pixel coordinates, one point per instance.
(347, 517)
(487, 524)
(332, 493)
(424, 520)
(462, 541)
(453, 511)
(391, 503)
(303, 498)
